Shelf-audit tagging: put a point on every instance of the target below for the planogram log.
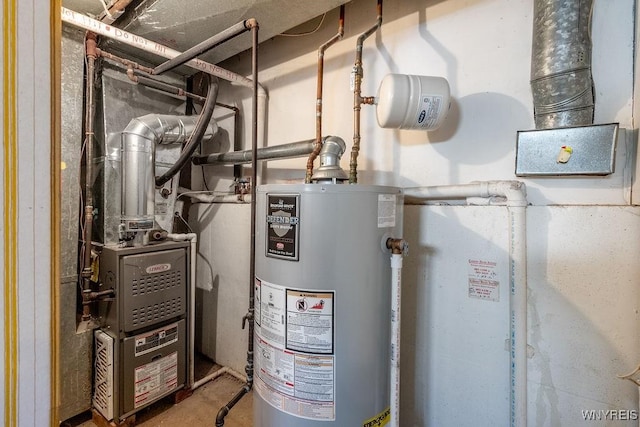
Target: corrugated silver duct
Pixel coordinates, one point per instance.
(138, 173)
(561, 79)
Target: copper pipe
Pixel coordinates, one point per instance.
(91, 54)
(114, 12)
(321, 50)
(357, 97)
(126, 62)
(119, 6)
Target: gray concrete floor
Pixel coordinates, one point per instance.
(199, 409)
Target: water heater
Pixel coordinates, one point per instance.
(322, 304)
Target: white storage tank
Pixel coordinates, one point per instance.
(322, 304)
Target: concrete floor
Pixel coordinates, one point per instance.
(199, 409)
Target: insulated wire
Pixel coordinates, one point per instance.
(184, 221)
(306, 33)
(104, 6)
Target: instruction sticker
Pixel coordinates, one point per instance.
(155, 379)
(272, 312)
(386, 210)
(282, 226)
(483, 280)
(295, 364)
(154, 340)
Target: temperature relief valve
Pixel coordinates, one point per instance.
(564, 154)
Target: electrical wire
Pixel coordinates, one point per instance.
(177, 214)
(106, 10)
(305, 33)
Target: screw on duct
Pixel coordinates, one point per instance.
(412, 102)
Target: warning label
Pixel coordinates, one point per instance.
(386, 210)
(310, 322)
(379, 420)
(294, 350)
(155, 379)
(483, 280)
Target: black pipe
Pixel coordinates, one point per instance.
(165, 87)
(196, 136)
(203, 47)
(222, 413)
(225, 409)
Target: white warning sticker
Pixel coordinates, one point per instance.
(155, 379)
(386, 210)
(310, 321)
(294, 361)
(483, 280)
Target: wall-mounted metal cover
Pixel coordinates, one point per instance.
(592, 151)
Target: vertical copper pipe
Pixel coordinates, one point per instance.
(321, 50)
(90, 46)
(357, 97)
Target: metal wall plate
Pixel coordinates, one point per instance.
(582, 150)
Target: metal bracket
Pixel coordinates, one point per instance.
(582, 150)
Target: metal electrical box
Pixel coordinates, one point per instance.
(141, 348)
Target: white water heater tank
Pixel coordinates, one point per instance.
(412, 102)
(322, 304)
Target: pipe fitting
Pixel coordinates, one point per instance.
(251, 23)
(91, 43)
(330, 170)
(397, 246)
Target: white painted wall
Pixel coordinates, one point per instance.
(584, 299)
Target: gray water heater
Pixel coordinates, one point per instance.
(322, 304)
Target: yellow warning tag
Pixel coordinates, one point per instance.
(379, 420)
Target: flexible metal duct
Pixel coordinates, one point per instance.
(138, 171)
(561, 79)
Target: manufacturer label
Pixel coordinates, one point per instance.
(157, 268)
(483, 280)
(282, 226)
(429, 111)
(295, 365)
(140, 225)
(155, 379)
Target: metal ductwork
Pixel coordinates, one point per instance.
(561, 79)
(138, 167)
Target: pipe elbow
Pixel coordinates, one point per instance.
(251, 23)
(514, 191)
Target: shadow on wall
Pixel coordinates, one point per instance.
(455, 366)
